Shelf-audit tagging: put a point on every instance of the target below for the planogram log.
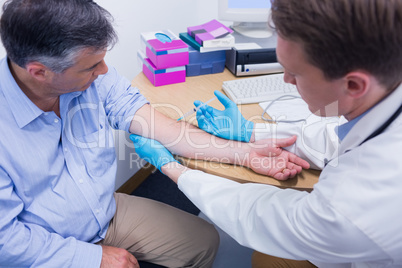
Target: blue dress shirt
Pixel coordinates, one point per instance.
(57, 174)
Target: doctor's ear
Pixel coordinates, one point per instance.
(358, 84)
(37, 70)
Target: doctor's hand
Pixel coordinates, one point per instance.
(228, 124)
(152, 151)
(268, 158)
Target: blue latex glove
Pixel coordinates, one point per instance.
(228, 124)
(152, 151)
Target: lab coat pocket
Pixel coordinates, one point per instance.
(99, 153)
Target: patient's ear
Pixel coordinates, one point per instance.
(37, 71)
(358, 84)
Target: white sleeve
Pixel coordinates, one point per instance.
(316, 142)
(285, 223)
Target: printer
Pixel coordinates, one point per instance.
(253, 56)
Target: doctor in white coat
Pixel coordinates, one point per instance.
(345, 57)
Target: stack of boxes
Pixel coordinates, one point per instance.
(208, 43)
(165, 58)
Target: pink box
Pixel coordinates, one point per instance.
(165, 49)
(161, 77)
(208, 31)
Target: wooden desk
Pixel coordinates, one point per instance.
(174, 100)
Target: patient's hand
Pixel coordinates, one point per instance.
(117, 257)
(268, 158)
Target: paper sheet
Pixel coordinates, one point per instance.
(242, 46)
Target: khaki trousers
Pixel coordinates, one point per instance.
(158, 233)
(260, 260)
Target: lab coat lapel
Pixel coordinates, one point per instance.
(372, 121)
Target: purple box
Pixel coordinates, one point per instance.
(165, 49)
(208, 31)
(161, 77)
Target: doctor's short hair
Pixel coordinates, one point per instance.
(340, 36)
(54, 32)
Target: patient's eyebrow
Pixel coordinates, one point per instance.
(92, 67)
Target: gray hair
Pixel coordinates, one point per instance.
(54, 32)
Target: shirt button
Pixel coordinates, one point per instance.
(56, 120)
(81, 181)
(65, 149)
(97, 211)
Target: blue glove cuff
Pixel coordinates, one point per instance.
(152, 151)
(165, 161)
(247, 131)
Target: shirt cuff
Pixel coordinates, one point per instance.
(87, 255)
(193, 183)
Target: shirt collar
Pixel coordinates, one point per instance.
(23, 109)
(372, 120)
(344, 129)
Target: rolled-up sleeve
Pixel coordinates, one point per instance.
(120, 99)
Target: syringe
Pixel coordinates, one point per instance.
(195, 109)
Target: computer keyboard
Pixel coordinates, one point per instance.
(258, 89)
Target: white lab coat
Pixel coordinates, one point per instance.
(317, 140)
(353, 216)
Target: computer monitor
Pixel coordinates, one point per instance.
(249, 17)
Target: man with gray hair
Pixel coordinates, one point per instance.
(58, 103)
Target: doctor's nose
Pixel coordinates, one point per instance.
(288, 78)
